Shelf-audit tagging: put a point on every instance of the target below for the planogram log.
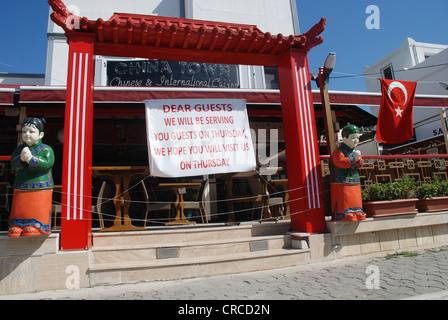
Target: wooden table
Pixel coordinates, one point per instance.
(121, 176)
(179, 190)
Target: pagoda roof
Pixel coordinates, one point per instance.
(168, 38)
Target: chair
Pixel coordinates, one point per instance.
(264, 201)
(200, 204)
(257, 194)
(4, 203)
(99, 204)
(56, 210)
(153, 206)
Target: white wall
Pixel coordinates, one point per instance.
(368, 148)
(94, 9)
(410, 54)
(429, 74)
(409, 64)
(400, 58)
(57, 60)
(270, 16)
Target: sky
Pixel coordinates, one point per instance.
(23, 39)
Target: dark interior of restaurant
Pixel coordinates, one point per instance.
(121, 141)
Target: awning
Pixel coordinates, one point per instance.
(7, 96)
(52, 94)
(49, 94)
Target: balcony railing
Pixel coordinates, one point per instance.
(391, 168)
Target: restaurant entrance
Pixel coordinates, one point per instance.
(120, 141)
(166, 38)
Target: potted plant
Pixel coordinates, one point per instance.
(433, 196)
(389, 199)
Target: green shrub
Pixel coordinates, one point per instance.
(427, 191)
(405, 189)
(443, 188)
(439, 188)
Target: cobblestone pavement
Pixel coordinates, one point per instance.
(416, 275)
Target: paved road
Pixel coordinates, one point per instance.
(421, 275)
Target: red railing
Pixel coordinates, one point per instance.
(385, 168)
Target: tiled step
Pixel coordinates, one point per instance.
(178, 268)
(209, 232)
(191, 251)
(194, 249)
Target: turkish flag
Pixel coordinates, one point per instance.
(395, 119)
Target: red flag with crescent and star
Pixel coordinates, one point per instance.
(395, 119)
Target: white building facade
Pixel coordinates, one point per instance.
(425, 63)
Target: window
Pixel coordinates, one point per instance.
(388, 73)
(271, 77)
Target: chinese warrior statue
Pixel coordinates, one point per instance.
(33, 186)
(346, 199)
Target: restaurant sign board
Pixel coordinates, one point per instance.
(162, 73)
(194, 137)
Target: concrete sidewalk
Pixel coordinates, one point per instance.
(404, 275)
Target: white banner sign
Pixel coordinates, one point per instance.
(198, 137)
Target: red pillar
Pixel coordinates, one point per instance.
(302, 148)
(76, 225)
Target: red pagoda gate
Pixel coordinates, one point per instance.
(166, 38)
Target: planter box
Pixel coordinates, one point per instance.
(390, 207)
(433, 204)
